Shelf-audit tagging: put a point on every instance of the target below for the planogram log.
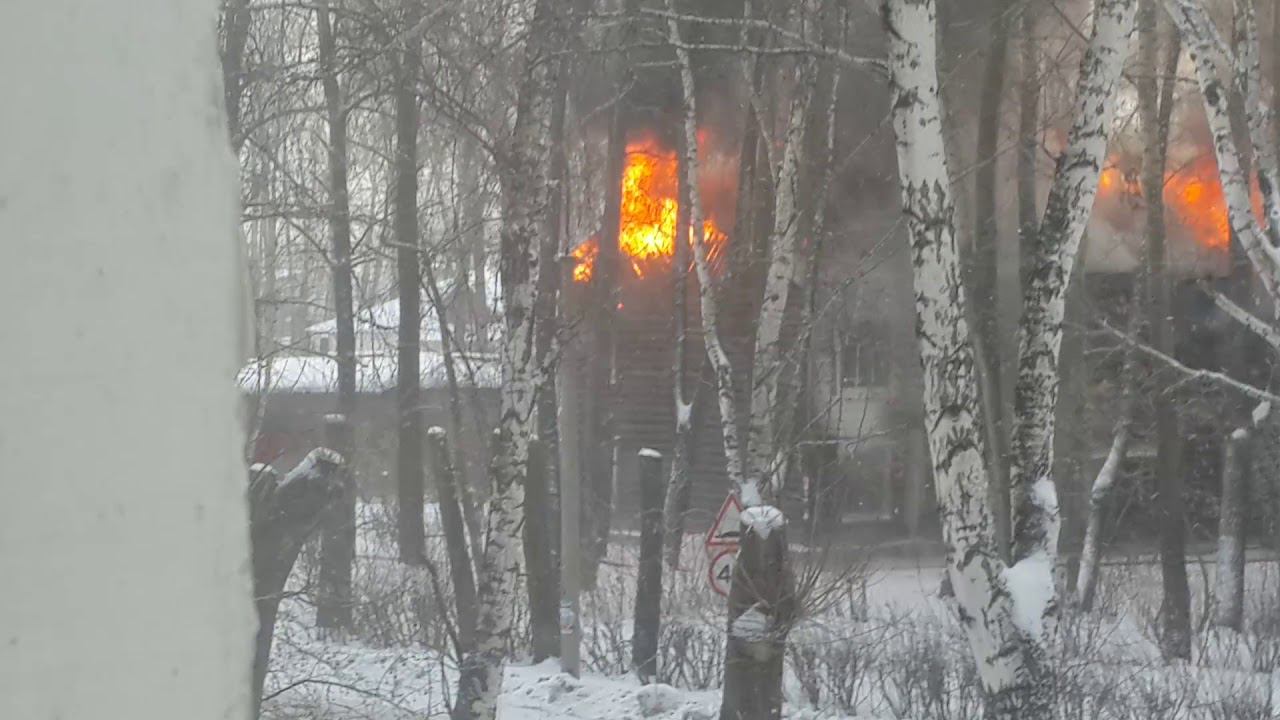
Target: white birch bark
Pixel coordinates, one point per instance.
(1071, 196)
(1258, 114)
(1008, 659)
(767, 364)
(1103, 485)
(1211, 60)
(525, 192)
(722, 367)
(1228, 589)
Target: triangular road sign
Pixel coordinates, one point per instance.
(727, 529)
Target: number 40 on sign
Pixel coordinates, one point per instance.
(722, 544)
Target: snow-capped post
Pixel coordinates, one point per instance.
(1229, 588)
(282, 514)
(337, 535)
(540, 579)
(762, 607)
(648, 611)
(524, 165)
(440, 468)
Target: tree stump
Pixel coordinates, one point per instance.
(282, 515)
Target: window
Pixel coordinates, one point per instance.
(864, 357)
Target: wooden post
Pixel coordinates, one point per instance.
(540, 581)
(570, 514)
(334, 604)
(648, 612)
(1229, 592)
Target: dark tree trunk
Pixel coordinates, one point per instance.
(648, 612)
(282, 514)
(460, 487)
(1071, 439)
(597, 507)
(455, 536)
(1028, 141)
(757, 636)
(338, 540)
(409, 480)
(1175, 606)
(984, 273)
(235, 35)
(1232, 537)
(542, 495)
(540, 575)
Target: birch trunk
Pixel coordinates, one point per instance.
(1105, 481)
(679, 482)
(761, 605)
(721, 366)
(338, 537)
(1229, 588)
(524, 169)
(1205, 47)
(1009, 658)
(1036, 521)
(768, 366)
(1099, 495)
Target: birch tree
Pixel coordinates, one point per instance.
(761, 601)
(524, 166)
(1221, 75)
(1004, 609)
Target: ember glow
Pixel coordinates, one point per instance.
(650, 208)
(1192, 196)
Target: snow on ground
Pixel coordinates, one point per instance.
(881, 646)
(314, 678)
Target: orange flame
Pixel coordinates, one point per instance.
(1192, 194)
(649, 213)
(584, 257)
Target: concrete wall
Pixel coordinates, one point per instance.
(123, 530)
